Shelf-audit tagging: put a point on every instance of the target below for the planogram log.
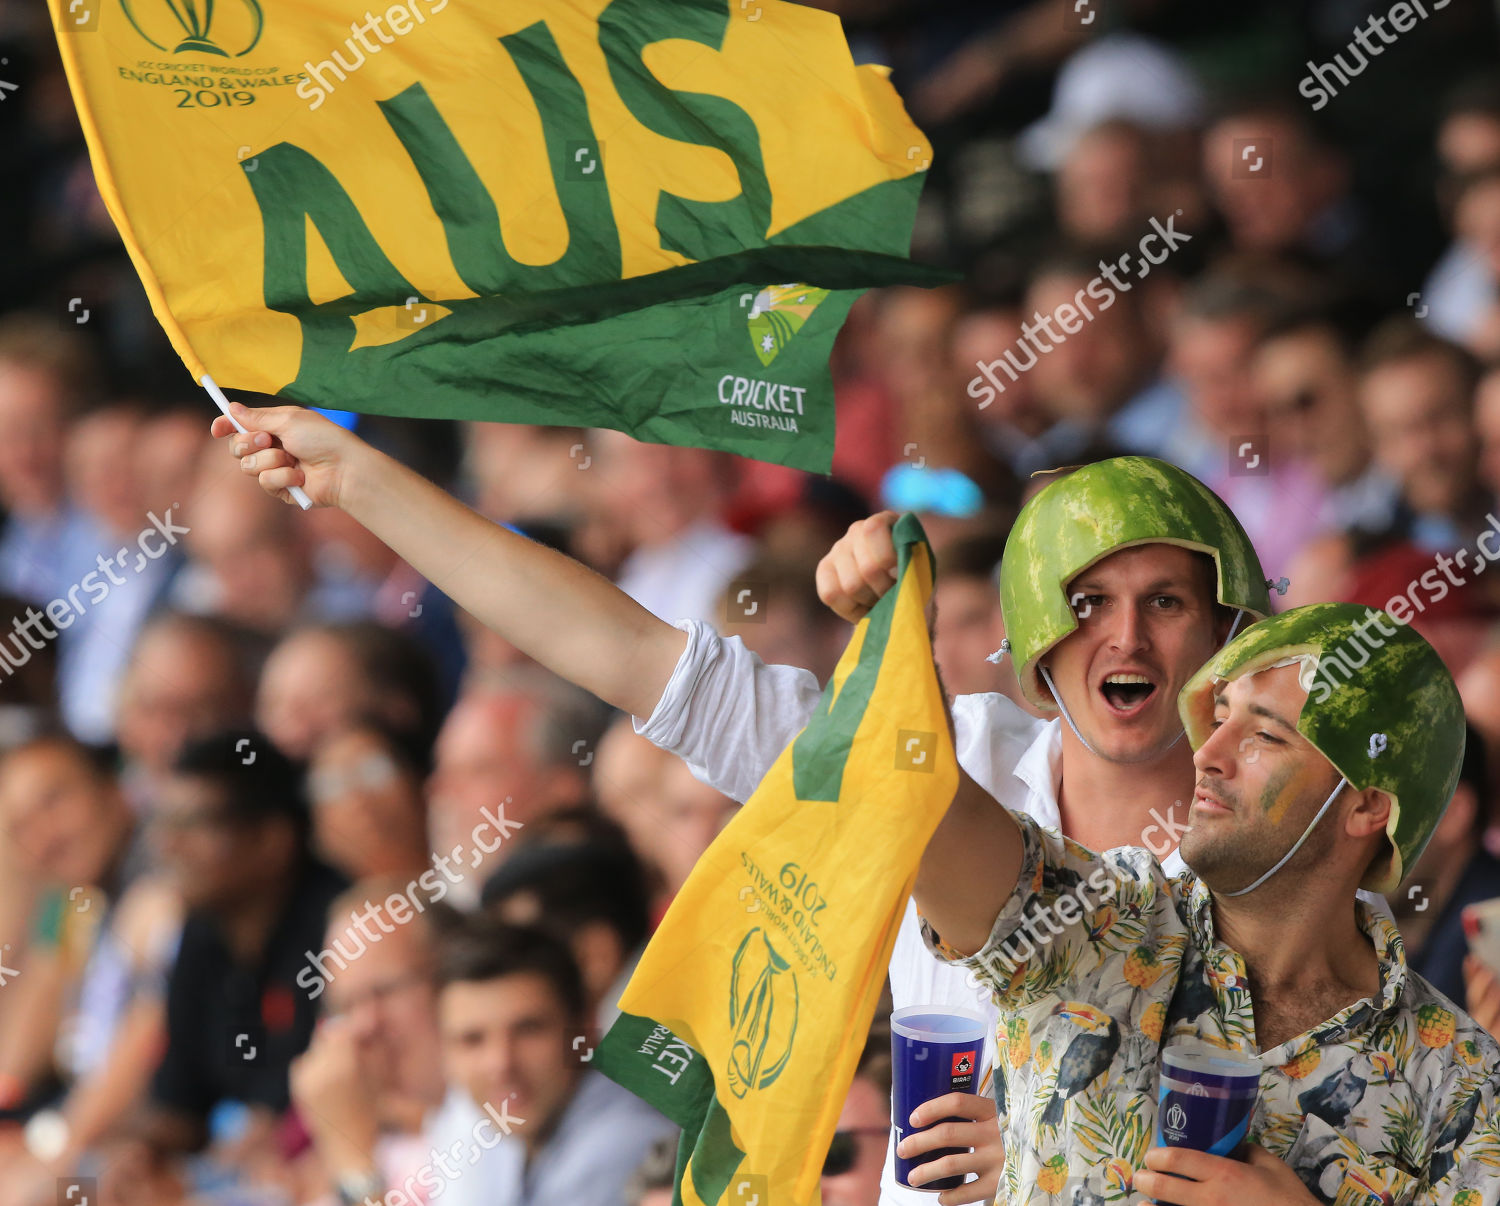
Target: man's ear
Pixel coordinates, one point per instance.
(1370, 813)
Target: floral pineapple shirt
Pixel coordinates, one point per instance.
(1391, 1102)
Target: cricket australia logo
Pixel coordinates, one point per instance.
(778, 313)
(763, 1013)
(229, 30)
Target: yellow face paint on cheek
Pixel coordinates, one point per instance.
(1280, 791)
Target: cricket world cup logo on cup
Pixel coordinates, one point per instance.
(1176, 1125)
(763, 1012)
(197, 26)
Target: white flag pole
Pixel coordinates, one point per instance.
(222, 402)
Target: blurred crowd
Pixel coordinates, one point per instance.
(311, 889)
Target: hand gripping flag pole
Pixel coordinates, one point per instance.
(222, 402)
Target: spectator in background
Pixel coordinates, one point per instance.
(169, 451)
(590, 893)
(852, 1168)
(1459, 293)
(1487, 428)
(368, 813)
(1483, 994)
(65, 816)
(232, 832)
(1220, 433)
(937, 427)
(967, 598)
(100, 461)
(518, 473)
(669, 815)
(513, 750)
(1011, 422)
(373, 1071)
(1284, 192)
(1102, 185)
(773, 606)
(799, 517)
(669, 502)
(1417, 395)
(1101, 384)
(690, 815)
(187, 676)
(46, 378)
(627, 778)
(1479, 685)
(1212, 338)
(251, 562)
(28, 680)
(1307, 383)
(511, 1009)
(1114, 76)
(85, 1025)
(1476, 221)
(321, 677)
(1455, 870)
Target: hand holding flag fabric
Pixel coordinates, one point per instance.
(746, 1015)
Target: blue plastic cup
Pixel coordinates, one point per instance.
(1206, 1099)
(935, 1049)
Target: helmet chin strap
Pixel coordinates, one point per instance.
(1311, 825)
(1063, 708)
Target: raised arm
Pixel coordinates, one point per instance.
(570, 619)
(969, 868)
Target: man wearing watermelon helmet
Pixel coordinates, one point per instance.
(1325, 754)
(1167, 567)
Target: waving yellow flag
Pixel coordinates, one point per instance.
(745, 1018)
(644, 214)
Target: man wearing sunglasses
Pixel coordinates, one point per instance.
(856, 1157)
(1305, 375)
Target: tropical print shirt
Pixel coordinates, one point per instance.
(1391, 1102)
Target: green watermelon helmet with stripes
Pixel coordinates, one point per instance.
(1382, 708)
(1097, 510)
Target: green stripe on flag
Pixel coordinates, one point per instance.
(822, 748)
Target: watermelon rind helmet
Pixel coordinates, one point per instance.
(1097, 510)
(1381, 707)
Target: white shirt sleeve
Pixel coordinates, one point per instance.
(726, 713)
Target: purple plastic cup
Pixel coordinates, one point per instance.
(935, 1049)
(1206, 1099)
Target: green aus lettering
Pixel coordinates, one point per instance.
(291, 187)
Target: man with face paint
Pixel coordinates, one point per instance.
(1374, 1086)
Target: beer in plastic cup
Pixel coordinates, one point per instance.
(935, 1049)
